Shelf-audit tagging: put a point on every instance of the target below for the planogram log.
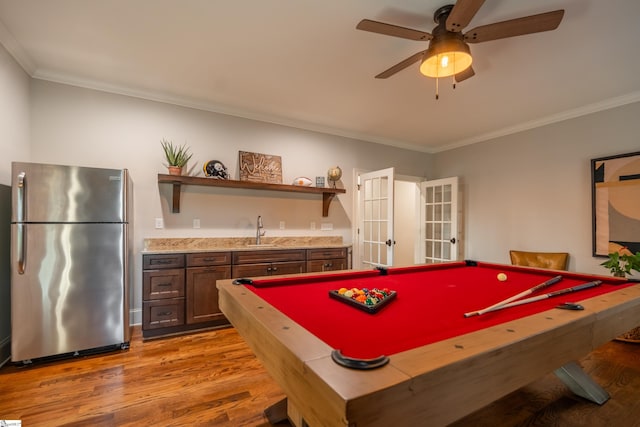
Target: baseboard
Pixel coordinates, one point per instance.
(5, 350)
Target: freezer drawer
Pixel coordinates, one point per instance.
(72, 292)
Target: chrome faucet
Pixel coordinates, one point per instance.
(259, 230)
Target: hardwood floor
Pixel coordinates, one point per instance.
(213, 379)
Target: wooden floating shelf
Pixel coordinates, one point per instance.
(179, 180)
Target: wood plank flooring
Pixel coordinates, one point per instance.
(213, 379)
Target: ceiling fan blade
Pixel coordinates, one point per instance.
(464, 75)
(462, 13)
(401, 65)
(515, 27)
(392, 30)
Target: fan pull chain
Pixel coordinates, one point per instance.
(453, 80)
(437, 88)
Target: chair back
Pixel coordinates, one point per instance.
(550, 260)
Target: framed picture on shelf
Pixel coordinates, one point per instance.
(259, 167)
(615, 203)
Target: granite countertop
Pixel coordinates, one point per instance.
(210, 244)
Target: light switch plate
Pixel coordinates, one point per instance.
(159, 223)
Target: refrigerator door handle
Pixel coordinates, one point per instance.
(21, 184)
(21, 258)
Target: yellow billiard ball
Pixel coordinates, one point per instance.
(502, 277)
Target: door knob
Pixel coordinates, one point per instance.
(453, 240)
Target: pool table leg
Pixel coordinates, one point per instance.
(581, 384)
(281, 411)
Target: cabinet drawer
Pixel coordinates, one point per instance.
(155, 261)
(255, 257)
(326, 253)
(268, 269)
(163, 314)
(208, 258)
(326, 265)
(162, 284)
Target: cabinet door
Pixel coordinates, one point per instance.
(294, 267)
(202, 294)
(320, 265)
(251, 270)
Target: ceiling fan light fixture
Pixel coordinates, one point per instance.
(445, 57)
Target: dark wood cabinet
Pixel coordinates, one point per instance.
(203, 269)
(179, 289)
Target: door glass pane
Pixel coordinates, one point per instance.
(447, 194)
(429, 212)
(438, 213)
(437, 249)
(438, 194)
(446, 212)
(429, 195)
(375, 231)
(376, 188)
(429, 249)
(383, 255)
(367, 210)
(367, 189)
(446, 231)
(446, 250)
(384, 185)
(367, 231)
(437, 231)
(375, 209)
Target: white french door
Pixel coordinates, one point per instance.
(439, 220)
(375, 228)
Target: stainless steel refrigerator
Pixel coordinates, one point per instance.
(70, 260)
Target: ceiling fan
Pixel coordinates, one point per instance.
(448, 53)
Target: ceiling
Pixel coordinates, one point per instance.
(302, 63)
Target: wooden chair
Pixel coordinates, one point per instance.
(550, 260)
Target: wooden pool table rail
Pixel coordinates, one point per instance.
(439, 382)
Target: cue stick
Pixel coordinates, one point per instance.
(515, 297)
(550, 294)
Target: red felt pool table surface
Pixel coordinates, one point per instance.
(429, 306)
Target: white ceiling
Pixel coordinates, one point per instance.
(302, 62)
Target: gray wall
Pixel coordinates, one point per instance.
(532, 190)
(14, 143)
(71, 125)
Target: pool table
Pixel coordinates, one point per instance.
(438, 365)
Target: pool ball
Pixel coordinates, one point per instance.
(502, 277)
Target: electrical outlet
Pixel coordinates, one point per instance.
(281, 225)
(313, 225)
(196, 223)
(159, 223)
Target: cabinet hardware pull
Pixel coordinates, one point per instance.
(275, 268)
(163, 284)
(165, 313)
(162, 261)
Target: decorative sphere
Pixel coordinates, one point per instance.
(334, 173)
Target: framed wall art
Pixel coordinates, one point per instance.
(259, 167)
(616, 203)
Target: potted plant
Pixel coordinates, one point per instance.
(177, 157)
(622, 262)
